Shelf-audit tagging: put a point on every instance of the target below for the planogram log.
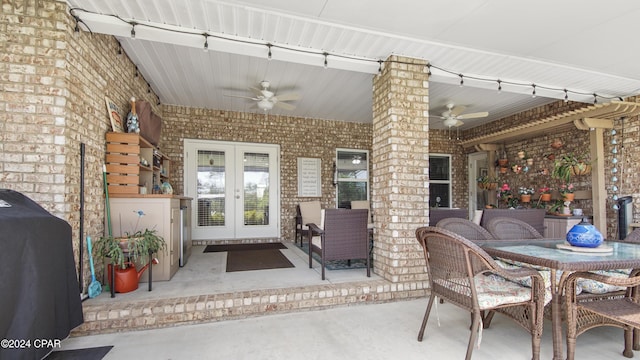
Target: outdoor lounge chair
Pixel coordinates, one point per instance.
(465, 228)
(341, 235)
(508, 228)
(622, 312)
(306, 212)
(461, 272)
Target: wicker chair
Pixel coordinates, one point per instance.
(457, 267)
(623, 312)
(465, 228)
(506, 228)
(306, 212)
(343, 236)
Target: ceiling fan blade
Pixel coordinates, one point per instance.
(473, 115)
(242, 97)
(256, 91)
(457, 110)
(288, 96)
(284, 106)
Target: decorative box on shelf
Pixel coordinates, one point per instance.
(133, 164)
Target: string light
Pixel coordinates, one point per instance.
(499, 86)
(324, 54)
(206, 42)
(136, 74)
(380, 67)
(533, 94)
(119, 48)
(429, 70)
(269, 54)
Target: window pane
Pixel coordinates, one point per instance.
(353, 176)
(211, 188)
(438, 168)
(349, 191)
(438, 195)
(256, 189)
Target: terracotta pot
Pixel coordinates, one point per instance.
(525, 198)
(580, 169)
(545, 197)
(503, 162)
(568, 197)
(491, 186)
(503, 170)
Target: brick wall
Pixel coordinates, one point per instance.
(297, 137)
(54, 84)
(400, 154)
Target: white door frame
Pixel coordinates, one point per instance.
(473, 167)
(234, 194)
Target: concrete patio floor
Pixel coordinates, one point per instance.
(376, 331)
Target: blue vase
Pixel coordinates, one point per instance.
(584, 234)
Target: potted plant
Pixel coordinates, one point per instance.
(125, 251)
(486, 182)
(545, 193)
(566, 190)
(505, 195)
(525, 193)
(568, 165)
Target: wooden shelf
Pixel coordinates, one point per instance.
(125, 172)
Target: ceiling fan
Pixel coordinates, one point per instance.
(453, 116)
(266, 99)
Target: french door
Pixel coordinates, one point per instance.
(235, 189)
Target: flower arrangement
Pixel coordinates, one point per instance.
(526, 191)
(545, 190)
(566, 189)
(505, 194)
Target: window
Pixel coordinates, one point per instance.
(351, 176)
(439, 180)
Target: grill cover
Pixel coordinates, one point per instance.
(39, 289)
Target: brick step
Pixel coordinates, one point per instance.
(122, 315)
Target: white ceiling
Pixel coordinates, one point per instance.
(585, 46)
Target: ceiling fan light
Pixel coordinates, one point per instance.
(450, 122)
(265, 104)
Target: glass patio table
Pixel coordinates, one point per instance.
(544, 252)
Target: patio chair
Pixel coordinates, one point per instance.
(506, 228)
(306, 212)
(461, 272)
(622, 312)
(465, 228)
(343, 235)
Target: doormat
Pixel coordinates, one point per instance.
(95, 353)
(246, 260)
(337, 264)
(242, 247)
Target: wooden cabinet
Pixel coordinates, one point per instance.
(162, 213)
(558, 226)
(133, 164)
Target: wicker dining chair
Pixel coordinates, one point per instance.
(460, 272)
(622, 312)
(506, 228)
(465, 228)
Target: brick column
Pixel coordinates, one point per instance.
(400, 157)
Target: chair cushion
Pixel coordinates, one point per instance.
(310, 212)
(316, 240)
(494, 291)
(596, 287)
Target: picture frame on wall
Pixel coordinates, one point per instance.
(309, 179)
(114, 115)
